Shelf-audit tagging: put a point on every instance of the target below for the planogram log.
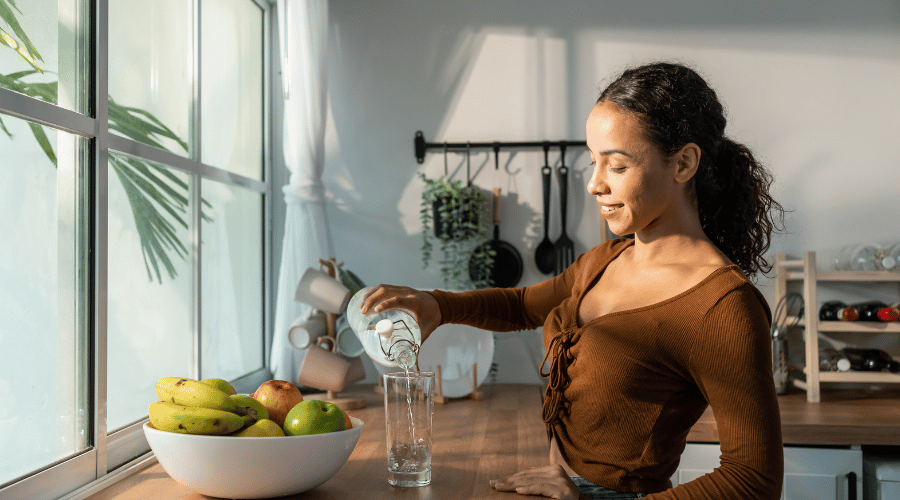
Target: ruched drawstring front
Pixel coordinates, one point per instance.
(555, 403)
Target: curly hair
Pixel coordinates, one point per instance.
(676, 106)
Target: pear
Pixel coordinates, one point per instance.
(261, 428)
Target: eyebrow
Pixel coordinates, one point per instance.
(613, 151)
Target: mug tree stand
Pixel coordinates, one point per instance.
(345, 403)
(438, 390)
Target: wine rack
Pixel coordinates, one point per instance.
(805, 271)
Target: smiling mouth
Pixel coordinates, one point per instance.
(607, 209)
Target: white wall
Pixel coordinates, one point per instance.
(811, 87)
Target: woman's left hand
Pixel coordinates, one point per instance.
(550, 481)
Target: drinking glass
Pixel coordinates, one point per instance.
(408, 409)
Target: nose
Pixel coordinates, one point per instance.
(597, 185)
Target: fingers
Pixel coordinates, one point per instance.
(551, 481)
(421, 305)
(384, 297)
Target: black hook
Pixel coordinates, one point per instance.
(446, 173)
(546, 152)
(496, 156)
(468, 165)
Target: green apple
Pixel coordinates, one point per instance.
(248, 402)
(220, 384)
(312, 416)
(261, 428)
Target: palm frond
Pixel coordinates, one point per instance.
(157, 235)
(26, 49)
(159, 199)
(140, 125)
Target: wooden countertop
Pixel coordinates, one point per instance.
(845, 417)
(475, 441)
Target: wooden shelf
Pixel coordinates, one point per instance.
(881, 276)
(805, 270)
(859, 326)
(860, 377)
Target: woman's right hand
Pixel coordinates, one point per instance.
(422, 305)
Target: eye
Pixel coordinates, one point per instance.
(616, 170)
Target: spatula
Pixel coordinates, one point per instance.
(564, 248)
(544, 256)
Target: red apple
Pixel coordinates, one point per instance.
(278, 396)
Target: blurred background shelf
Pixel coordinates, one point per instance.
(805, 271)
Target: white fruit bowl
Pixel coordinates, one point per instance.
(255, 467)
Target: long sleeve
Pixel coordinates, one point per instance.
(731, 364)
(509, 309)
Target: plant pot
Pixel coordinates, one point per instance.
(450, 228)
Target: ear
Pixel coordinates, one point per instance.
(686, 161)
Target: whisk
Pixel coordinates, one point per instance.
(788, 313)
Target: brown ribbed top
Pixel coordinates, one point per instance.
(625, 389)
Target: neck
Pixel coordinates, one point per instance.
(673, 240)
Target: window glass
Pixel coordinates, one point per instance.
(232, 281)
(43, 50)
(232, 86)
(42, 360)
(150, 290)
(150, 72)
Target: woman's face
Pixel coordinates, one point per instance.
(632, 182)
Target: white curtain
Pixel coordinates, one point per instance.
(303, 33)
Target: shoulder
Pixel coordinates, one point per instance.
(735, 310)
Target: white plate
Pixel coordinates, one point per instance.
(455, 348)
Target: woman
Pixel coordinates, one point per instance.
(642, 334)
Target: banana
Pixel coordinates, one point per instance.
(172, 417)
(188, 392)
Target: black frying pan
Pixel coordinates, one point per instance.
(506, 270)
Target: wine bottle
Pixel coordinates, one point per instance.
(832, 360)
(870, 360)
(868, 311)
(890, 313)
(835, 310)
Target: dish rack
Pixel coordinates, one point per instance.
(804, 270)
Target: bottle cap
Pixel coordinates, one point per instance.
(848, 314)
(843, 365)
(889, 314)
(385, 327)
(888, 262)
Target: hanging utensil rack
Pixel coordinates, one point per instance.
(422, 146)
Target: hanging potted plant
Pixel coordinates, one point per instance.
(450, 214)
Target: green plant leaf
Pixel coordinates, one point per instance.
(140, 125)
(42, 139)
(25, 49)
(156, 234)
(152, 191)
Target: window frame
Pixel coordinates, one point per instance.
(112, 455)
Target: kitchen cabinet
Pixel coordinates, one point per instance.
(805, 271)
(809, 473)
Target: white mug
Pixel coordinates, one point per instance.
(322, 292)
(348, 343)
(324, 369)
(306, 328)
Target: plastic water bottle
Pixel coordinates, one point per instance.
(391, 337)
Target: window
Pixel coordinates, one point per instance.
(134, 194)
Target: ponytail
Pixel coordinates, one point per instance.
(735, 205)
